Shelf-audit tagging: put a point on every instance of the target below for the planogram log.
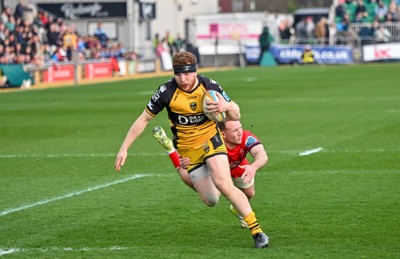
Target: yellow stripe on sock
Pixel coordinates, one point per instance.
(253, 223)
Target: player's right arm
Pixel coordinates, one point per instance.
(134, 132)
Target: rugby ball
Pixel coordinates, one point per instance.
(211, 96)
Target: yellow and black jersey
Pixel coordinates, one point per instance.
(308, 57)
(190, 126)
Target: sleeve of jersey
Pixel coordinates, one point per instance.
(210, 84)
(250, 140)
(157, 101)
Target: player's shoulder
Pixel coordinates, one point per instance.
(249, 139)
(167, 88)
(209, 83)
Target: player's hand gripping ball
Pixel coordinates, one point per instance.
(211, 96)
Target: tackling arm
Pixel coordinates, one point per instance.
(260, 159)
(260, 156)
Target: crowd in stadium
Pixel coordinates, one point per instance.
(29, 38)
(349, 11)
(375, 12)
(372, 13)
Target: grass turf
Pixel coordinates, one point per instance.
(61, 198)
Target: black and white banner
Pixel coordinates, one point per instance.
(74, 11)
(147, 11)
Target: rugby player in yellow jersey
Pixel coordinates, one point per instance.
(197, 137)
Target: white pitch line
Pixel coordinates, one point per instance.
(311, 151)
(68, 195)
(4, 251)
(72, 155)
(8, 251)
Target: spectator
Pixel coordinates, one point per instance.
(70, 42)
(170, 42)
(101, 35)
(179, 43)
(301, 33)
(392, 15)
(381, 11)
(332, 33)
(3, 32)
(5, 15)
(361, 12)
(321, 31)
(163, 52)
(120, 51)
(340, 10)
(308, 56)
(286, 30)
(56, 53)
(156, 41)
(310, 27)
(19, 9)
(53, 36)
(382, 35)
(265, 40)
(346, 22)
(10, 24)
(44, 18)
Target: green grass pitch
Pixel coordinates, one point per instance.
(62, 198)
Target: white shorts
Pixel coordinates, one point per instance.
(199, 173)
(239, 183)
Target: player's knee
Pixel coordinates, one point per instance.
(211, 200)
(250, 194)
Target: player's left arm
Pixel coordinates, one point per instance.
(260, 159)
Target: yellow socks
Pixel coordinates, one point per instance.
(252, 223)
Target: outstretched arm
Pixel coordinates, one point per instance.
(135, 131)
(260, 159)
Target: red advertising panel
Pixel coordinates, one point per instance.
(58, 73)
(98, 70)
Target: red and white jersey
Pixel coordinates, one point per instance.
(237, 155)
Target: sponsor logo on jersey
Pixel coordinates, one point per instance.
(159, 91)
(190, 120)
(155, 96)
(250, 141)
(213, 82)
(163, 88)
(206, 148)
(150, 105)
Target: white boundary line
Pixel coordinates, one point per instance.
(311, 151)
(4, 251)
(68, 195)
(73, 155)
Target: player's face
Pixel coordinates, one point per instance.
(186, 81)
(233, 132)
